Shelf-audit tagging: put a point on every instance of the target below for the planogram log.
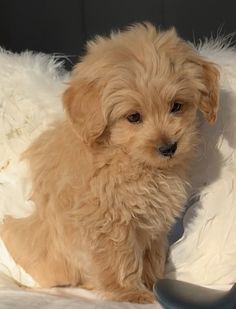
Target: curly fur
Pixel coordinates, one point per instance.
(105, 197)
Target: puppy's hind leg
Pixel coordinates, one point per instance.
(32, 246)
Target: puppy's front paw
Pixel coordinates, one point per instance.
(141, 297)
(137, 296)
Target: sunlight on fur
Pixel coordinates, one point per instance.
(110, 179)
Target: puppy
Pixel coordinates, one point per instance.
(110, 178)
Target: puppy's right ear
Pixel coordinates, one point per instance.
(83, 106)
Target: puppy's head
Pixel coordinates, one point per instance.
(139, 90)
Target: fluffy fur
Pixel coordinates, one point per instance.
(105, 197)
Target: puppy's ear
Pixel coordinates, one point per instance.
(83, 106)
(209, 100)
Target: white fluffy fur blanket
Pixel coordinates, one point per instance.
(30, 98)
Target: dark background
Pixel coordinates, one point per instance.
(63, 26)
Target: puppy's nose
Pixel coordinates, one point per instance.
(167, 150)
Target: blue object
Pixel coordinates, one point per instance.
(174, 294)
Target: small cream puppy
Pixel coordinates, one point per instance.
(110, 178)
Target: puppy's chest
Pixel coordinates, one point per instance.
(150, 201)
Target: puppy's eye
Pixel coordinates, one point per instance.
(176, 107)
(134, 118)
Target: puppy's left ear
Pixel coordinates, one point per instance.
(82, 103)
(209, 100)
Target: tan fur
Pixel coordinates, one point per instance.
(105, 197)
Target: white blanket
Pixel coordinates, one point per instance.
(30, 98)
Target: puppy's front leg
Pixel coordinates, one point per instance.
(119, 266)
(154, 261)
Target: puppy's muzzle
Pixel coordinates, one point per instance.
(167, 150)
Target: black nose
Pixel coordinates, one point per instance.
(167, 150)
